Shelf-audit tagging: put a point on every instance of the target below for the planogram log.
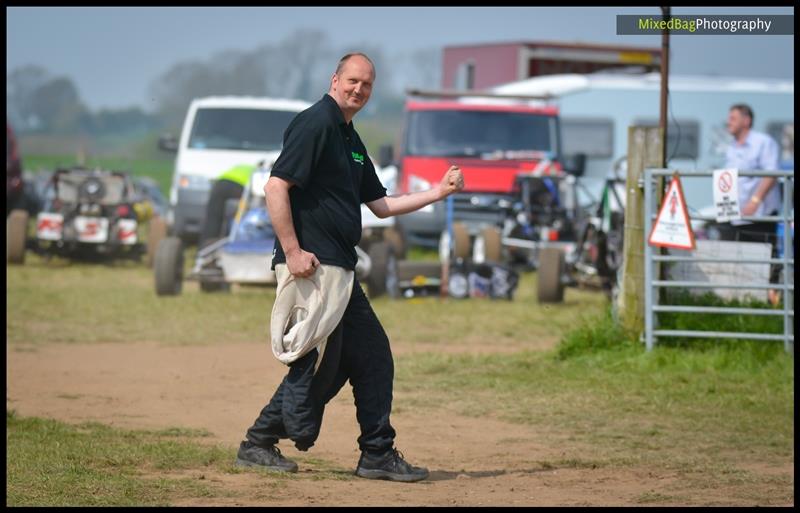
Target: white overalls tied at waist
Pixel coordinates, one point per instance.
(307, 310)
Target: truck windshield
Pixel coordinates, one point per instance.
(239, 129)
(480, 134)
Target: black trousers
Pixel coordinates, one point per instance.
(214, 222)
(358, 351)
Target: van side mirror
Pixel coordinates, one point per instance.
(575, 164)
(167, 142)
(385, 155)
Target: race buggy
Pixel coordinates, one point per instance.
(89, 214)
(244, 256)
(550, 227)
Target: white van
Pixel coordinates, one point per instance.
(220, 132)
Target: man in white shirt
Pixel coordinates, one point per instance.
(751, 150)
(758, 196)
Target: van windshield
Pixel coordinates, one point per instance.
(480, 134)
(239, 129)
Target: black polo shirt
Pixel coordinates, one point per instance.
(326, 160)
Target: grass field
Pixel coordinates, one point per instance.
(703, 412)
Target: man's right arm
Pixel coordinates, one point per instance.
(300, 263)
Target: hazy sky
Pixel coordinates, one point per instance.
(113, 53)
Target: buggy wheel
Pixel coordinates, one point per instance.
(16, 236)
(488, 246)
(156, 232)
(550, 288)
(461, 245)
(168, 266)
(382, 277)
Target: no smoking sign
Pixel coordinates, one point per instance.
(726, 195)
(725, 181)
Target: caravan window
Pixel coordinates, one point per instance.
(686, 135)
(592, 136)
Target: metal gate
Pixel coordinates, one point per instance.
(652, 283)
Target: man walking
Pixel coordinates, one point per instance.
(314, 197)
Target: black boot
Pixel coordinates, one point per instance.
(270, 458)
(389, 465)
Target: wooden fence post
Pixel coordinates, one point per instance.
(644, 150)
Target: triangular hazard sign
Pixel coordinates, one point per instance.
(672, 228)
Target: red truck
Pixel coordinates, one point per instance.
(492, 139)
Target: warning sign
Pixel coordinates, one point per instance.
(726, 195)
(672, 228)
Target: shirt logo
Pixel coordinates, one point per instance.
(357, 157)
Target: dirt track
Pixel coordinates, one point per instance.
(473, 461)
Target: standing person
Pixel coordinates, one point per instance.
(758, 196)
(314, 197)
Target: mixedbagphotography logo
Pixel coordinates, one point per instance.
(711, 24)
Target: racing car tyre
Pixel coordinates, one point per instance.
(16, 236)
(461, 248)
(461, 245)
(156, 232)
(550, 288)
(169, 267)
(492, 245)
(382, 278)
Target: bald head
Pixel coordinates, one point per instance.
(351, 84)
(343, 60)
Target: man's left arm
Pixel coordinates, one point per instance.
(387, 206)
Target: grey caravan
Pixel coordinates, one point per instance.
(597, 109)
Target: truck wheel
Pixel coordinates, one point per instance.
(16, 236)
(395, 239)
(488, 246)
(550, 288)
(156, 232)
(168, 266)
(382, 277)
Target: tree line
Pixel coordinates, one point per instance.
(299, 66)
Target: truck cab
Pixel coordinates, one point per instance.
(492, 140)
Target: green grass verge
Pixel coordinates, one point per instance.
(50, 463)
(691, 409)
(716, 322)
